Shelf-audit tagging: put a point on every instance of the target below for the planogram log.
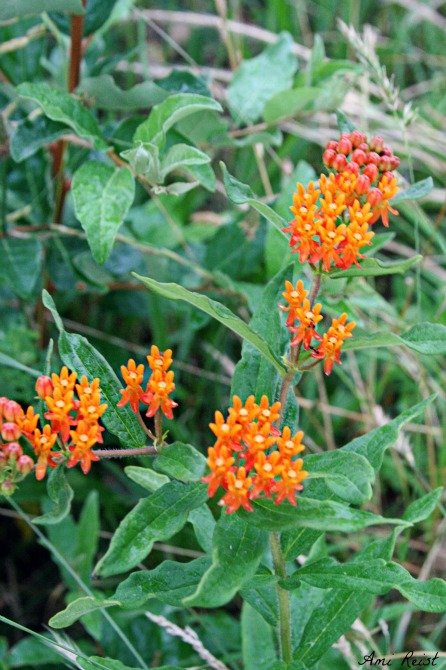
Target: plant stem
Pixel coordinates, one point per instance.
(286, 648)
(121, 453)
(159, 427)
(64, 563)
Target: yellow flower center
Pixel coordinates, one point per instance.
(307, 226)
(91, 409)
(238, 484)
(267, 467)
(332, 206)
(303, 210)
(220, 462)
(64, 382)
(357, 236)
(243, 412)
(333, 340)
(83, 437)
(309, 315)
(266, 413)
(43, 439)
(294, 294)
(132, 375)
(259, 439)
(332, 234)
(292, 474)
(341, 328)
(289, 444)
(60, 404)
(225, 428)
(162, 385)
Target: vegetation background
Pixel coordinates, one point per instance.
(195, 48)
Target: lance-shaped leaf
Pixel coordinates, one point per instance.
(154, 519)
(79, 355)
(31, 135)
(146, 477)
(421, 509)
(181, 461)
(425, 338)
(181, 156)
(218, 311)
(77, 609)
(415, 191)
(349, 476)
(102, 196)
(374, 576)
(106, 94)
(325, 515)
(19, 8)
(170, 582)
(60, 494)
(258, 648)
(261, 593)
(237, 551)
(101, 663)
(21, 264)
(373, 267)
(61, 106)
(167, 113)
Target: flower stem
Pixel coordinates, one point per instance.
(286, 649)
(121, 453)
(159, 427)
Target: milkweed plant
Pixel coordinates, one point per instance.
(267, 511)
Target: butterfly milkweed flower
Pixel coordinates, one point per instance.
(330, 347)
(332, 222)
(251, 458)
(158, 388)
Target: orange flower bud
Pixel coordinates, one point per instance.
(345, 146)
(377, 143)
(371, 171)
(44, 387)
(359, 156)
(340, 162)
(362, 185)
(11, 410)
(13, 450)
(25, 464)
(10, 432)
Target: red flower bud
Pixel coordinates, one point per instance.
(352, 167)
(389, 175)
(7, 487)
(332, 144)
(3, 401)
(44, 387)
(359, 156)
(387, 151)
(10, 432)
(362, 184)
(371, 171)
(13, 450)
(25, 464)
(328, 157)
(377, 143)
(394, 162)
(345, 146)
(364, 147)
(357, 138)
(374, 197)
(11, 410)
(373, 158)
(384, 164)
(339, 163)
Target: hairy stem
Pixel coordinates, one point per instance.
(286, 648)
(159, 427)
(122, 453)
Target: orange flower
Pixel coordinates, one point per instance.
(388, 188)
(220, 462)
(330, 347)
(159, 387)
(227, 431)
(290, 446)
(242, 413)
(331, 239)
(86, 388)
(267, 469)
(60, 405)
(84, 437)
(268, 414)
(356, 237)
(238, 492)
(158, 360)
(359, 214)
(308, 318)
(294, 297)
(133, 376)
(43, 442)
(290, 482)
(65, 381)
(44, 387)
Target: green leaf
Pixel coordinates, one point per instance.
(79, 355)
(104, 93)
(18, 8)
(256, 80)
(61, 106)
(77, 609)
(31, 651)
(349, 476)
(215, 309)
(374, 576)
(241, 194)
(60, 494)
(154, 519)
(426, 338)
(258, 648)
(203, 523)
(181, 461)
(31, 135)
(324, 515)
(167, 113)
(21, 264)
(102, 197)
(373, 267)
(146, 477)
(415, 191)
(237, 551)
(421, 509)
(260, 592)
(345, 125)
(288, 103)
(169, 583)
(101, 663)
(180, 156)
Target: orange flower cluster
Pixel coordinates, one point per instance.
(252, 458)
(332, 223)
(158, 388)
(302, 320)
(14, 464)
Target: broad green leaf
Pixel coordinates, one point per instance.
(18, 8)
(288, 103)
(215, 309)
(253, 373)
(101, 663)
(203, 174)
(426, 338)
(176, 188)
(167, 113)
(60, 494)
(373, 267)
(345, 125)
(30, 136)
(79, 355)
(421, 509)
(146, 477)
(260, 592)
(77, 609)
(144, 159)
(237, 551)
(374, 576)
(256, 80)
(10, 362)
(324, 515)
(61, 106)
(181, 461)
(21, 264)
(34, 652)
(203, 523)
(170, 582)
(415, 191)
(241, 194)
(102, 197)
(154, 519)
(104, 93)
(258, 648)
(349, 476)
(181, 156)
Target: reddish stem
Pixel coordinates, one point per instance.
(121, 453)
